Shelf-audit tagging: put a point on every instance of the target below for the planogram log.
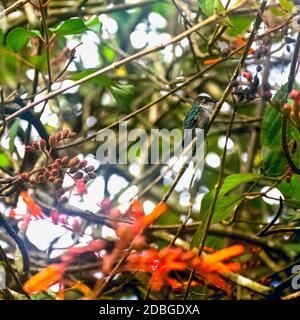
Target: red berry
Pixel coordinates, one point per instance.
(247, 75)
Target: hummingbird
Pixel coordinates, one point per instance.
(199, 115)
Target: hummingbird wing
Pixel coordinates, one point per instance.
(190, 120)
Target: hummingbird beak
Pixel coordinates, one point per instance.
(215, 100)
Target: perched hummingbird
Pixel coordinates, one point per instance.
(199, 116)
(200, 113)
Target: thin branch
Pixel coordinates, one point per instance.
(19, 241)
(265, 230)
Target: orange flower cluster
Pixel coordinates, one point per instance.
(160, 263)
(54, 272)
(129, 234)
(32, 207)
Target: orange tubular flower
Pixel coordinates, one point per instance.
(155, 214)
(240, 42)
(45, 278)
(211, 61)
(211, 266)
(161, 263)
(33, 208)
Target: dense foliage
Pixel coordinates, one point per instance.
(72, 227)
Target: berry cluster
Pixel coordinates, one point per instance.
(54, 173)
(293, 111)
(251, 91)
(52, 141)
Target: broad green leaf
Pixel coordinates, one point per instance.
(94, 24)
(270, 136)
(271, 126)
(239, 25)
(207, 6)
(225, 203)
(292, 189)
(234, 180)
(274, 161)
(76, 26)
(224, 208)
(39, 61)
(18, 37)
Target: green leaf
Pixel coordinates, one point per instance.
(234, 180)
(292, 189)
(94, 24)
(76, 26)
(239, 25)
(274, 161)
(270, 136)
(207, 6)
(18, 37)
(271, 126)
(123, 94)
(102, 79)
(287, 5)
(276, 11)
(223, 210)
(4, 161)
(225, 203)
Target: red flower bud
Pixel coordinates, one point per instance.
(52, 140)
(24, 176)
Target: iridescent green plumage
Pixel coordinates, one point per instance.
(200, 113)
